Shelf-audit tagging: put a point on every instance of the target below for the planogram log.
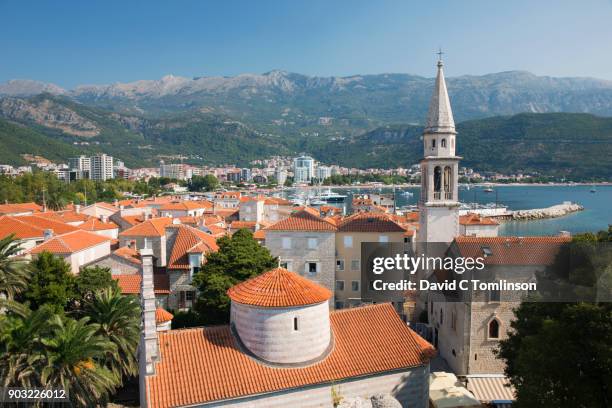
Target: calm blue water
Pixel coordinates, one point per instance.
(596, 215)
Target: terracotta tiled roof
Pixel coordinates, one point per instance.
(186, 205)
(243, 224)
(64, 216)
(155, 227)
(369, 222)
(130, 284)
(94, 224)
(31, 227)
(259, 235)
(189, 240)
(19, 208)
(206, 364)
(230, 195)
(129, 254)
(70, 242)
(216, 231)
(226, 213)
(512, 250)
(277, 201)
(476, 219)
(278, 288)
(162, 315)
(306, 219)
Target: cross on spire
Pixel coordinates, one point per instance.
(440, 53)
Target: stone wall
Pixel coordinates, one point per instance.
(270, 333)
(410, 387)
(299, 254)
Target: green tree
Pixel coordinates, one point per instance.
(52, 282)
(203, 183)
(14, 272)
(92, 279)
(559, 355)
(240, 257)
(118, 320)
(70, 360)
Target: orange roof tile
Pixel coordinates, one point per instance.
(162, 315)
(70, 242)
(31, 226)
(94, 224)
(206, 364)
(243, 224)
(155, 227)
(19, 208)
(129, 254)
(189, 240)
(512, 250)
(278, 288)
(259, 235)
(186, 205)
(307, 219)
(130, 284)
(476, 219)
(64, 216)
(369, 222)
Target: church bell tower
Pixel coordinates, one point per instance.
(439, 202)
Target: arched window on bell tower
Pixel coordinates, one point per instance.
(437, 182)
(443, 143)
(448, 183)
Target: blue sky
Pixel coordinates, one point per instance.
(87, 42)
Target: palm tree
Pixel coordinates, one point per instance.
(14, 272)
(70, 361)
(118, 320)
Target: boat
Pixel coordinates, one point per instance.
(488, 190)
(593, 189)
(331, 197)
(407, 193)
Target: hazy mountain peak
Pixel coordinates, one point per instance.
(28, 87)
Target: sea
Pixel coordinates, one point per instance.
(597, 214)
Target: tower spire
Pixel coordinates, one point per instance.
(440, 116)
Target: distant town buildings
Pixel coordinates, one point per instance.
(303, 169)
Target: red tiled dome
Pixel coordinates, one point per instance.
(278, 288)
(162, 315)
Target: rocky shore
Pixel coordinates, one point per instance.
(555, 211)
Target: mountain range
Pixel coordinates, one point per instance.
(361, 120)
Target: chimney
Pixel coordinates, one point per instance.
(104, 218)
(48, 234)
(149, 353)
(77, 208)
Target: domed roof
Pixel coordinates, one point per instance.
(278, 288)
(162, 315)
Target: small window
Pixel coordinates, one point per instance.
(348, 241)
(433, 143)
(494, 295)
(339, 285)
(354, 286)
(284, 264)
(340, 264)
(494, 329)
(295, 324)
(312, 243)
(441, 317)
(383, 238)
(339, 304)
(443, 143)
(312, 267)
(355, 264)
(286, 243)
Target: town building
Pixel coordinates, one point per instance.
(306, 243)
(303, 169)
(102, 167)
(351, 233)
(282, 348)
